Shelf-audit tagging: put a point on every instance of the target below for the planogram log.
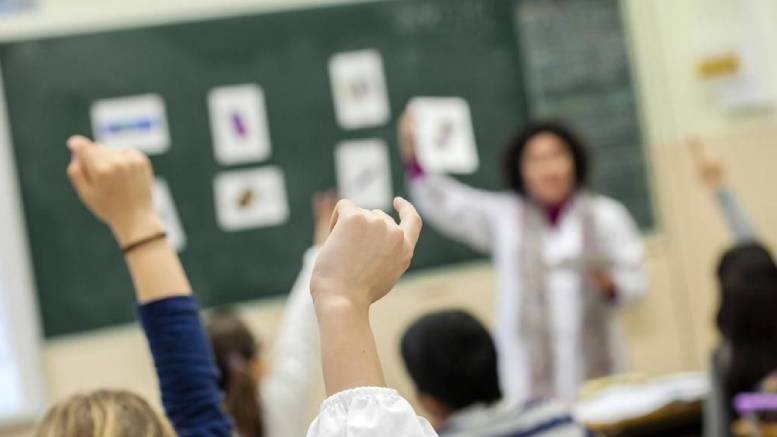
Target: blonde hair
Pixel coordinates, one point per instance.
(104, 413)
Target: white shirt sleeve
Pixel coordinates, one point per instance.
(625, 248)
(286, 389)
(369, 412)
(457, 210)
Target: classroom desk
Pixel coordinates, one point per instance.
(679, 419)
(631, 406)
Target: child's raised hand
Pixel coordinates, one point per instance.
(116, 186)
(406, 133)
(365, 255)
(711, 170)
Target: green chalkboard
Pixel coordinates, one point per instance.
(466, 48)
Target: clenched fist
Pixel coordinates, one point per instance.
(116, 186)
(365, 255)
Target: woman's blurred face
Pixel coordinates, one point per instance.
(548, 169)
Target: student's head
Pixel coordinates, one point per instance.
(452, 360)
(546, 162)
(745, 273)
(744, 263)
(746, 318)
(237, 357)
(104, 414)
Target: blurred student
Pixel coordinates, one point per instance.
(746, 320)
(452, 360)
(362, 259)
(566, 258)
(744, 275)
(748, 278)
(268, 403)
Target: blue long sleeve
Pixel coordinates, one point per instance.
(187, 373)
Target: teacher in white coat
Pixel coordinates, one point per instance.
(567, 259)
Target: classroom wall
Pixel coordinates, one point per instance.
(669, 331)
(668, 37)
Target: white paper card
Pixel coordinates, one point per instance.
(364, 173)
(253, 198)
(238, 120)
(168, 213)
(138, 122)
(359, 88)
(445, 138)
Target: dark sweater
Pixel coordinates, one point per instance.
(188, 378)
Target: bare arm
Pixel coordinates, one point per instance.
(362, 259)
(348, 352)
(116, 186)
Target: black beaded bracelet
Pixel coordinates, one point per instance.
(132, 246)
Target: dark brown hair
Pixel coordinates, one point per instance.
(517, 146)
(235, 348)
(746, 317)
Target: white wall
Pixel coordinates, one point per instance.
(19, 324)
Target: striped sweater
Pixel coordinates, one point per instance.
(513, 419)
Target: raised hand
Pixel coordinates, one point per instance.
(711, 170)
(366, 253)
(116, 186)
(364, 256)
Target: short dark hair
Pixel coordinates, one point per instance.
(517, 146)
(451, 356)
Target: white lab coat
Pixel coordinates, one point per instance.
(491, 222)
(285, 391)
